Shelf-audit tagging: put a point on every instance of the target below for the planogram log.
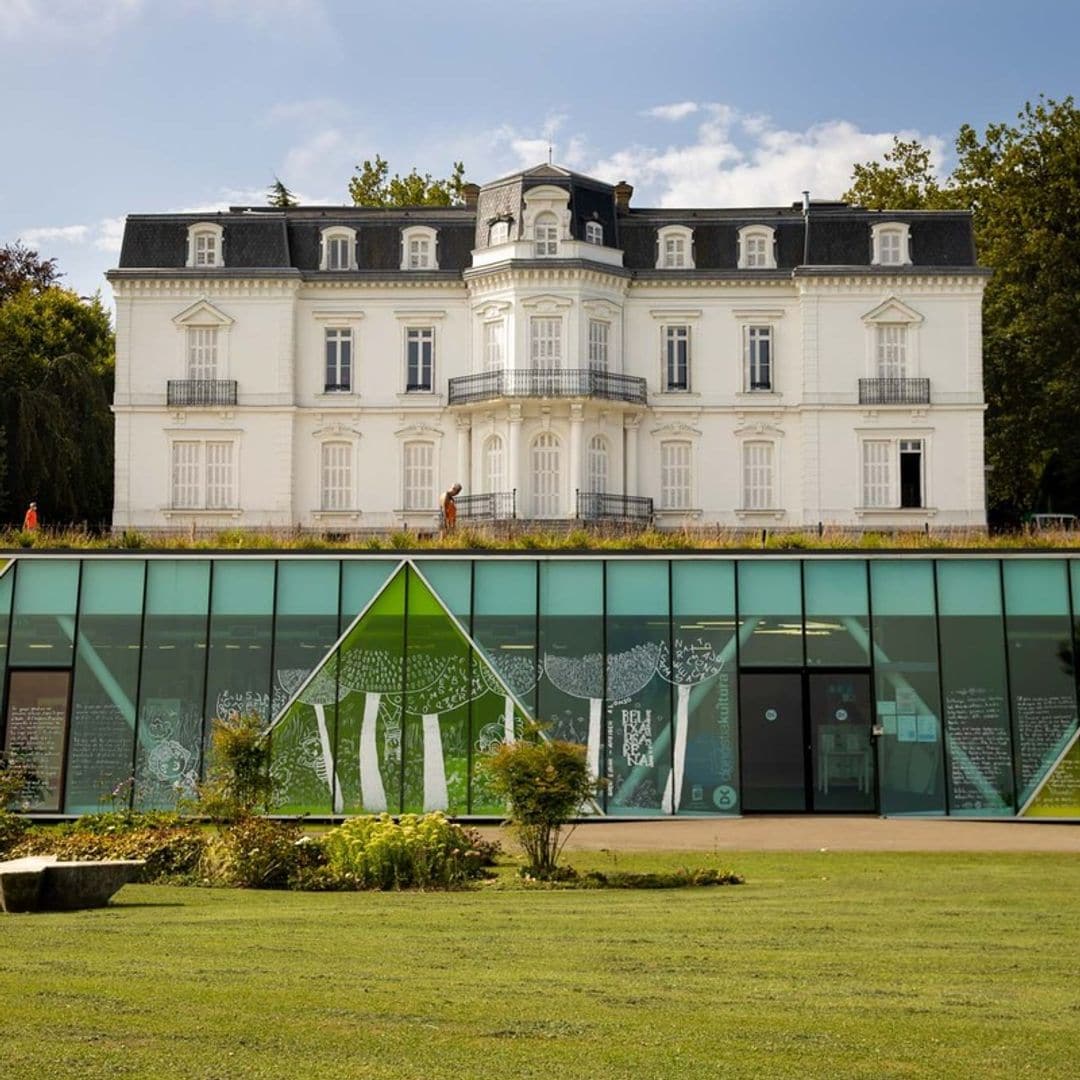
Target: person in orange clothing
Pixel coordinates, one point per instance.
(449, 508)
(30, 521)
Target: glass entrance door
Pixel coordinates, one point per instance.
(841, 741)
(773, 741)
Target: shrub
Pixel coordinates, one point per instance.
(414, 853)
(12, 830)
(20, 785)
(256, 853)
(239, 781)
(545, 783)
(171, 852)
(662, 879)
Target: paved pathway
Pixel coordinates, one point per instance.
(812, 833)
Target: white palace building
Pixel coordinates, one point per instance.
(560, 353)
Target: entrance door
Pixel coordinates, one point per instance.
(773, 741)
(841, 742)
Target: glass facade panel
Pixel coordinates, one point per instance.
(360, 581)
(700, 664)
(1041, 668)
(639, 752)
(7, 584)
(102, 740)
(170, 730)
(571, 694)
(770, 614)
(241, 630)
(35, 732)
(910, 756)
(978, 741)
(43, 621)
(451, 579)
(837, 613)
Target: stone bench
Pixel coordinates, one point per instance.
(44, 883)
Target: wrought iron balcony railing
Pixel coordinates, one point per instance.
(894, 391)
(491, 506)
(549, 383)
(201, 392)
(598, 506)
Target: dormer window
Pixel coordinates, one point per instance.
(594, 233)
(206, 245)
(500, 233)
(891, 245)
(338, 249)
(418, 248)
(546, 234)
(757, 248)
(675, 250)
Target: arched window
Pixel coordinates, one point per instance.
(206, 245)
(419, 248)
(675, 248)
(597, 465)
(545, 476)
(494, 475)
(757, 248)
(336, 479)
(594, 233)
(890, 241)
(500, 233)
(337, 248)
(546, 234)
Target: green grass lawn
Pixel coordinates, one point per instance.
(830, 965)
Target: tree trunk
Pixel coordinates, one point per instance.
(372, 792)
(436, 796)
(328, 759)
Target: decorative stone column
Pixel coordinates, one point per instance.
(513, 459)
(577, 424)
(631, 424)
(464, 453)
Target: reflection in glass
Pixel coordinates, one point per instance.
(35, 731)
(908, 692)
(977, 733)
(837, 616)
(770, 608)
(843, 753)
(106, 686)
(773, 742)
(43, 620)
(170, 730)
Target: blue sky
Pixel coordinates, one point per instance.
(120, 106)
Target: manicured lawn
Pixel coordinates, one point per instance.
(823, 965)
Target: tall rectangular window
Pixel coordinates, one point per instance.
(336, 480)
(892, 351)
(889, 245)
(675, 475)
(876, 473)
(674, 252)
(185, 475)
(598, 344)
(494, 333)
(202, 352)
(338, 360)
(337, 253)
(420, 358)
(419, 478)
(676, 357)
(545, 342)
(219, 475)
(758, 352)
(419, 253)
(911, 472)
(756, 255)
(759, 487)
(205, 249)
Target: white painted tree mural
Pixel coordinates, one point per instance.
(519, 674)
(687, 665)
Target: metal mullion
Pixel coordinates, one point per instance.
(336, 653)
(946, 764)
(71, 693)
(604, 762)
(206, 669)
(878, 740)
(404, 690)
(671, 684)
(1014, 740)
(7, 652)
(138, 684)
(472, 700)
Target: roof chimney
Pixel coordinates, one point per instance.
(470, 193)
(623, 191)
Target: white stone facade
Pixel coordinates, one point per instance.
(717, 440)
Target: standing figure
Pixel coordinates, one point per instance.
(30, 521)
(448, 508)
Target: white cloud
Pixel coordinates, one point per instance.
(66, 18)
(738, 159)
(55, 234)
(677, 111)
(110, 234)
(309, 111)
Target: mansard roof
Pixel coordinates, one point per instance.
(266, 240)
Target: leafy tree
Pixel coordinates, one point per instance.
(20, 267)
(1022, 183)
(56, 373)
(279, 195)
(373, 186)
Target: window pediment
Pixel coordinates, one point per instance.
(546, 303)
(676, 430)
(893, 310)
(419, 431)
(203, 313)
(758, 431)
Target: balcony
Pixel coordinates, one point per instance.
(201, 392)
(894, 391)
(490, 506)
(547, 383)
(599, 506)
